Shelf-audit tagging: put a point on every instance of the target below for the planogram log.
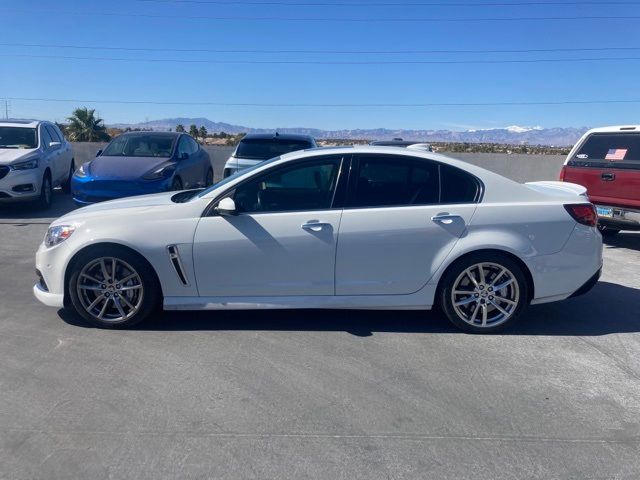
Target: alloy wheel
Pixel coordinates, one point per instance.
(485, 295)
(110, 290)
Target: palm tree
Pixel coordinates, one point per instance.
(180, 128)
(193, 131)
(203, 132)
(84, 126)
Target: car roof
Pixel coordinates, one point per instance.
(151, 132)
(279, 136)
(616, 129)
(20, 123)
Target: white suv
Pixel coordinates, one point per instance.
(34, 159)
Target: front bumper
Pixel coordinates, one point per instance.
(20, 185)
(620, 218)
(89, 190)
(49, 299)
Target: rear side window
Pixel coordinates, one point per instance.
(263, 149)
(457, 186)
(611, 149)
(394, 181)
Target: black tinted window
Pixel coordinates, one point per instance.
(18, 137)
(45, 138)
(394, 181)
(610, 147)
(53, 134)
(140, 146)
(457, 186)
(263, 149)
(306, 187)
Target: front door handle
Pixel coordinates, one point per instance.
(445, 218)
(315, 226)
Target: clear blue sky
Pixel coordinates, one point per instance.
(61, 23)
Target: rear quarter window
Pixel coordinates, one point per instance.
(458, 186)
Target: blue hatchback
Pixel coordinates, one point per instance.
(140, 163)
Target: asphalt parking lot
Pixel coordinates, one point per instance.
(320, 394)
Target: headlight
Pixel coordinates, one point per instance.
(162, 171)
(26, 165)
(58, 234)
(82, 170)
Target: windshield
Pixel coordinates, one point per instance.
(18, 137)
(221, 183)
(140, 146)
(263, 149)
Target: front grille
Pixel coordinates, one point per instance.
(4, 170)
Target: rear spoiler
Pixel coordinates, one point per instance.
(563, 189)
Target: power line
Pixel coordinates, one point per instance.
(393, 4)
(332, 52)
(331, 105)
(244, 18)
(325, 62)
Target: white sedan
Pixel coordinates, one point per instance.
(357, 228)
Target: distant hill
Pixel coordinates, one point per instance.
(512, 135)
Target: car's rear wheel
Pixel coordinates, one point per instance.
(114, 288)
(484, 293)
(176, 185)
(46, 192)
(209, 180)
(608, 232)
(66, 186)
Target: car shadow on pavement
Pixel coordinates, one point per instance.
(31, 212)
(630, 241)
(608, 308)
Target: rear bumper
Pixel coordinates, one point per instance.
(620, 218)
(589, 284)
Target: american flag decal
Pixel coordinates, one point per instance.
(616, 154)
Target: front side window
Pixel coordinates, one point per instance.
(309, 186)
(394, 181)
(140, 146)
(53, 134)
(45, 137)
(192, 146)
(18, 137)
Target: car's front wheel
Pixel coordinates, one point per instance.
(484, 293)
(46, 192)
(113, 287)
(66, 186)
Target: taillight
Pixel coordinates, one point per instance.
(583, 213)
(563, 172)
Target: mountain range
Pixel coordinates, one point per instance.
(513, 135)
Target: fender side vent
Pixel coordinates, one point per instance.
(176, 261)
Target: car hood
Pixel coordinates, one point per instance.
(10, 155)
(123, 168)
(123, 206)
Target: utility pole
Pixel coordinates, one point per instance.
(6, 109)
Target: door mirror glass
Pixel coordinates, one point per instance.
(226, 207)
(98, 153)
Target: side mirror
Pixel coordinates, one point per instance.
(226, 207)
(98, 153)
(183, 156)
(54, 144)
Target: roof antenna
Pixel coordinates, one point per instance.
(277, 134)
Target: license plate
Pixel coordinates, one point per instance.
(605, 212)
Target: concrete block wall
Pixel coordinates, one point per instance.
(521, 168)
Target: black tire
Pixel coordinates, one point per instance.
(176, 185)
(151, 293)
(608, 232)
(66, 186)
(46, 192)
(209, 178)
(483, 298)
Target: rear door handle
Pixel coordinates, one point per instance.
(315, 226)
(445, 218)
(608, 177)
